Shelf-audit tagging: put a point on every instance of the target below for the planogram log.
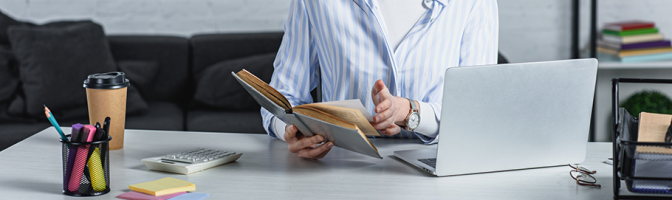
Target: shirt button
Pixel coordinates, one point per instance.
(427, 1)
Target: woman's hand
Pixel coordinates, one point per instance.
(306, 147)
(392, 110)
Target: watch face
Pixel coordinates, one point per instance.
(413, 121)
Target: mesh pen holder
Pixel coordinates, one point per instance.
(86, 170)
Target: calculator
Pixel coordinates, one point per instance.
(191, 161)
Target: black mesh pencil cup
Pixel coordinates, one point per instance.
(86, 170)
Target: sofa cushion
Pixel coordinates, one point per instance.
(171, 54)
(216, 87)
(224, 121)
(208, 49)
(5, 23)
(54, 61)
(160, 116)
(141, 73)
(9, 73)
(7, 117)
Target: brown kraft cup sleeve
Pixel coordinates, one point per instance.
(109, 103)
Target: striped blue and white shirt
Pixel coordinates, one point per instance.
(348, 41)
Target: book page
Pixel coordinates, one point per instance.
(351, 103)
(351, 115)
(320, 115)
(652, 128)
(268, 91)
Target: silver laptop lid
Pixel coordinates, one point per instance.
(515, 116)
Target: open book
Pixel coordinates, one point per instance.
(346, 126)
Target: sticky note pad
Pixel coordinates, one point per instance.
(163, 186)
(133, 195)
(191, 196)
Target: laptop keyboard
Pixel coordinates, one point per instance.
(429, 161)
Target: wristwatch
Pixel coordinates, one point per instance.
(413, 118)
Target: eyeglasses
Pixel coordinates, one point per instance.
(583, 176)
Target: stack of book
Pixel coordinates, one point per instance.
(633, 41)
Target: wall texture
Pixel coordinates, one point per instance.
(530, 30)
(172, 17)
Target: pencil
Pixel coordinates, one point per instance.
(51, 118)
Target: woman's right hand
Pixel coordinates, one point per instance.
(306, 147)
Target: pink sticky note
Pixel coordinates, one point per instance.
(133, 195)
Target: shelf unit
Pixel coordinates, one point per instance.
(609, 67)
(619, 193)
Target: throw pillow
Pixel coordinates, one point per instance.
(141, 73)
(54, 61)
(9, 74)
(216, 87)
(135, 104)
(5, 23)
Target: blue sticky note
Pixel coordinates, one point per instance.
(191, 196)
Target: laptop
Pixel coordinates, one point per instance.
(510, 117)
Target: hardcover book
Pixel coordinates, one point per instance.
(633, 59)
(633, 38)
(641, 45)
(629, 25)
(630, 32)
(637, 52)
(341, 122)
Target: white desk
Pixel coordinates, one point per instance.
(32, 169)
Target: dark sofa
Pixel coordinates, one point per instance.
(172, 95)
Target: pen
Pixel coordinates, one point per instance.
(106, 127)
(104, 136)
(51, 118)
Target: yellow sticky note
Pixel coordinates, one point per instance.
(163, 186)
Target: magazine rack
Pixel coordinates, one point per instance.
(625, 145)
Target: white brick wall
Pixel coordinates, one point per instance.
(530, 30)
(172, 17)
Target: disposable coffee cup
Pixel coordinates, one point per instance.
(106, 97)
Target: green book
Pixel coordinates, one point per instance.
(630, 32)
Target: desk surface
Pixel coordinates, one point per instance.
(32, 169)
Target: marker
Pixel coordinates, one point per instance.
(95, 166)
(47, 112)
(76, 131)
(81, 158)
